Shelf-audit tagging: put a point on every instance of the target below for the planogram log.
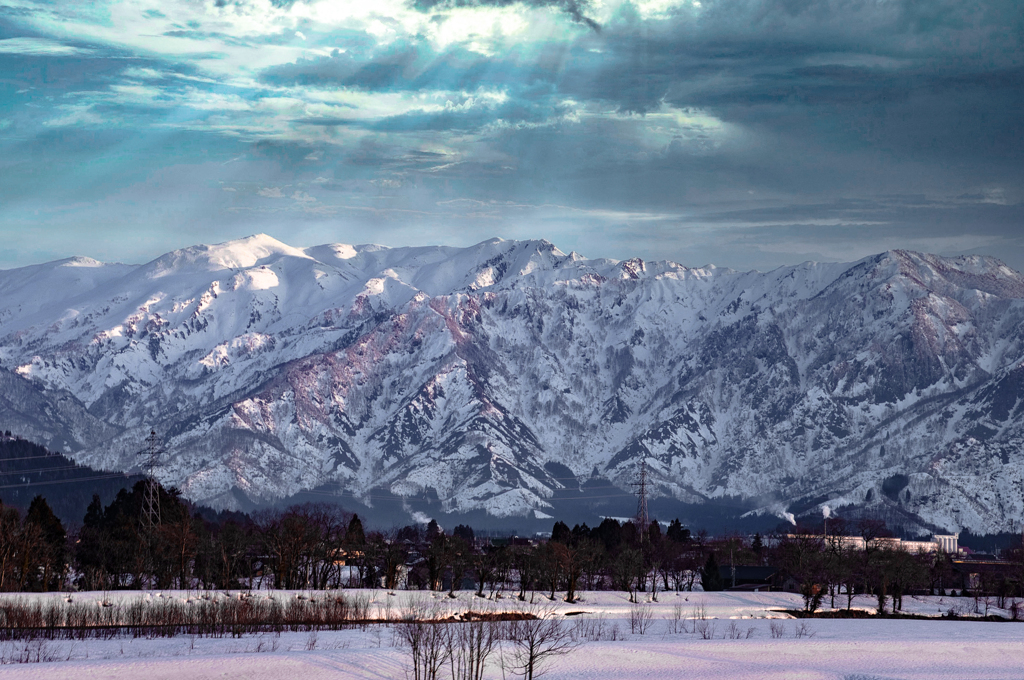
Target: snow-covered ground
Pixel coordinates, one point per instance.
(743, 645)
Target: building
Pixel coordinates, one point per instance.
(940, 543)
(747, 578)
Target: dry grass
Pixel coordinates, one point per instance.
(206, 616)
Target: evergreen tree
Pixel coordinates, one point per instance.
(580, 532)
(560, 533)
(94, 513)
(710, 578)
(355, 535)
(52, 557)
(654, 534)
(676, 532)
(609, 532)
(90, 550)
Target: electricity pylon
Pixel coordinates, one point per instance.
(151, 496)
(642, 519)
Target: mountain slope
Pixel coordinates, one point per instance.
(477, 376)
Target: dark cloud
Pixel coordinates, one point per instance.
(42, 75)
(386, 71)
(411, 66)
(830, 98)
(927, 215)
(741, 131)
(733, 48)
(324, 121)
(358, 66)
(848, 229)
(462, 120)
(576, 9)
(17, 11)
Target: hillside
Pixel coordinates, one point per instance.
(28, 470)
(511, 378)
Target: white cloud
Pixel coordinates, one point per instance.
(856, 60)
(76, 114)
(996, 196)
(39, 47)
(271, 192)
(662, 9)
(142, 73)
(303, 197)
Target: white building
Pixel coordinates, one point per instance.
(940, 543)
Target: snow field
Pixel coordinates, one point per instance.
(742, 646)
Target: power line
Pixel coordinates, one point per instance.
(62, 468)
(49, 455)
(29, 458)
(112, 475)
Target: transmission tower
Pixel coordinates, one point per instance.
(151, 498)
(642, 519)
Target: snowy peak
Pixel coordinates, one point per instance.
(934, 273)
(238, 254)
(77, 274)
(464, 374)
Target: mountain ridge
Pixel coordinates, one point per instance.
(462, 373)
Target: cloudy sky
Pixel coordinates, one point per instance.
(748, 133)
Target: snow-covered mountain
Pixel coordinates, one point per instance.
(485, 375)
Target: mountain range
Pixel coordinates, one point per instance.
(509, 378)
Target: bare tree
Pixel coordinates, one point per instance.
(426, 637)
(303, 543)
(472, 644)
(525, 561)
(502, 569)
(531, 642)
(550, 565)
(484, 566)
(641, 616)
(388, 554)
(626, 567)
(803, 557)
(232, 547)
(176, 548)
(329, 524)
(570, 559)
(10, 528)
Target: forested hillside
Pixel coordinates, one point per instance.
(28, 470)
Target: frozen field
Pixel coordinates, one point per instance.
(743, 646)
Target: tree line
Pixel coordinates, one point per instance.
(827, 566)
(322, 546)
